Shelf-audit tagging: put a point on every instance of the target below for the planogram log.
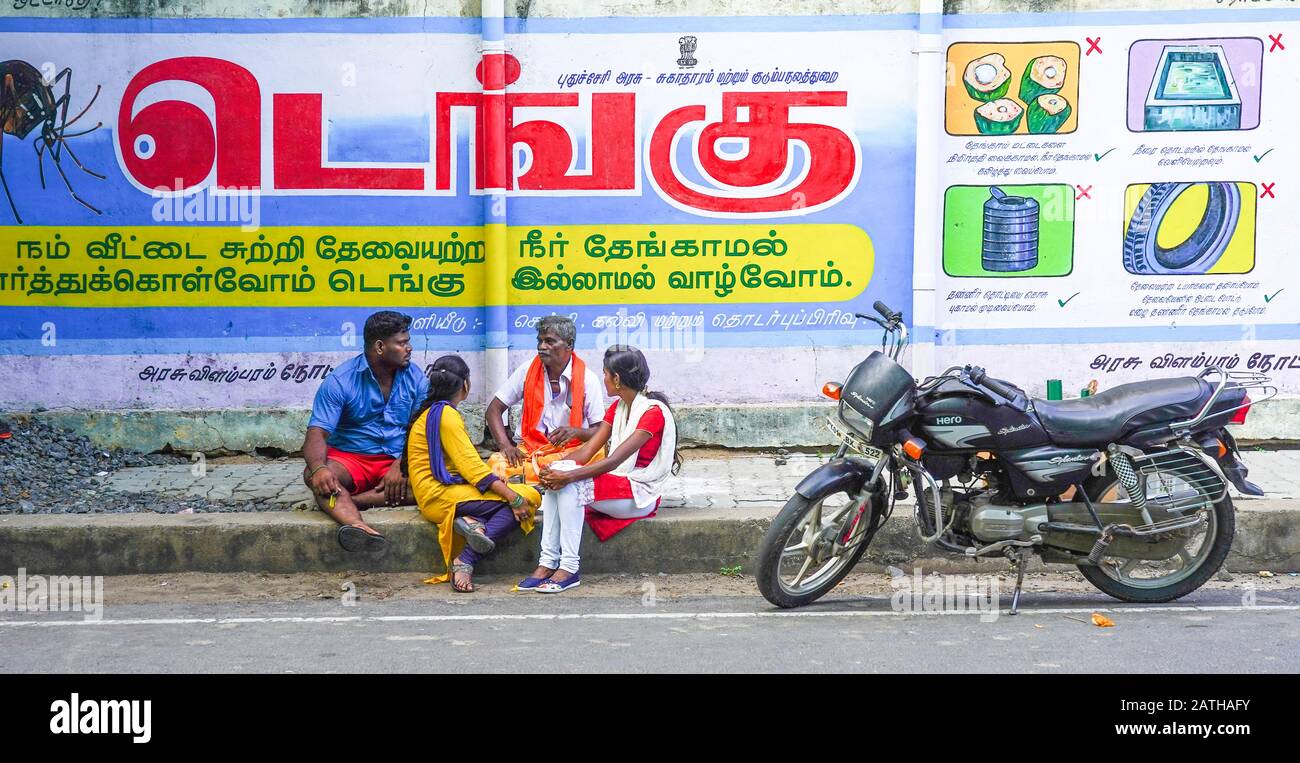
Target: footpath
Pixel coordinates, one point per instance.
(713, 516)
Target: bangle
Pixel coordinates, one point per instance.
(312, 473)
(517, 501)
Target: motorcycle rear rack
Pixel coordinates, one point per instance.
(1226, 381)
(1205, 484)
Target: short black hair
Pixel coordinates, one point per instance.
(384, 324)
(559, 325)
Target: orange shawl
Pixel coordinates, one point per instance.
(536, 393)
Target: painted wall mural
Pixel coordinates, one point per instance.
(1140, 225)
(243, 193)
(200, 213)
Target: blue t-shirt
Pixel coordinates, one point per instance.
(351, 407)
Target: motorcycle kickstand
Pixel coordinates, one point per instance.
(1021, 562)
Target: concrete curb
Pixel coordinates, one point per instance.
(678, 540)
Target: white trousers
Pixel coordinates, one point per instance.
(562, 519)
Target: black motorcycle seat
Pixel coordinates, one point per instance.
(1107, 416)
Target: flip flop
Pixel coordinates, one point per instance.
(460, 567)
(353, 538)
(530, 583)
(551, 586)
(479, 541)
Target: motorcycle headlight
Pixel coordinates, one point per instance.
(861, 425)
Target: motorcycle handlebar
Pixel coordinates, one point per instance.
(980, 377)
(888, 314)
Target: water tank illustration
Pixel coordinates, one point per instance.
(1010, 232)
(1192, 89)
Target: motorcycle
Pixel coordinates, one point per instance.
(1129, 485)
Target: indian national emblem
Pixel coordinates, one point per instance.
(687, 43)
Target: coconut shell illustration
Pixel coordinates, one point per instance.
(987, 78)
(1000, 117)
(1047, 113)
(1045, 75)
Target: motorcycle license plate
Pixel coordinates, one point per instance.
(854, 442)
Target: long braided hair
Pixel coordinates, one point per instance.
(447, 376)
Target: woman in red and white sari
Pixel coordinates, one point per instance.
(621, 488)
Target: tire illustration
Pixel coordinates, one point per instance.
(1144, 256)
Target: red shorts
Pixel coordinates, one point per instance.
(366, 471)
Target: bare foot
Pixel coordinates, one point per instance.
(542, 572)
(560, 576)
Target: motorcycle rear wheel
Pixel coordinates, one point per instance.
(813, 577)
(1123, 578)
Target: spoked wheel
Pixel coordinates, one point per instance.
(811, 546)
(1201, 552)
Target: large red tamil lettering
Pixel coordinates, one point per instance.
(173, 144)
(297, 153)
(768, 133)
(550, 145)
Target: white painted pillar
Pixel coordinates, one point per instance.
(927, 235)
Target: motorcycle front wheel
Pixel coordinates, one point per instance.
(1202, 554)
(798, 560)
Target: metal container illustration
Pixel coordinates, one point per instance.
(1192, 89)
(1010, 232)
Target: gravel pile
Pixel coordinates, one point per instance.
(48, 470)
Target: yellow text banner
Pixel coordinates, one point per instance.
(165, 266)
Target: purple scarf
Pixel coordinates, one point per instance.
(433, 430)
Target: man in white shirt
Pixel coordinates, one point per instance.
(550, 397)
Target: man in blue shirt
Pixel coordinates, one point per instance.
(357, 431)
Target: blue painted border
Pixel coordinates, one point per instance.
(1120, 18)
(1066, 336)
(432, 24)
(645, 25)
(713, 338)
(465, 25)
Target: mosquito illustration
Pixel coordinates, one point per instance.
(27, 100)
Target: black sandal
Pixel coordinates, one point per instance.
(475, 535)
(353, 538)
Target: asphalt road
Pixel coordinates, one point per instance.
(1210, 631)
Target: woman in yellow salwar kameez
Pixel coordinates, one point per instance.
(454, 488)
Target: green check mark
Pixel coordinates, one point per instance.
(1268, 298)
(1064, 302)
(1099, 157)
(1261, 156)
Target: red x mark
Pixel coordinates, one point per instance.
(1268, 191)
(1083, 193)
(1093, 45)
(1277, 43)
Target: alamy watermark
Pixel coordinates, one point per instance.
(682, 335)
(214, 204)
(75, 715)
(58, 593)
(945, 593)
